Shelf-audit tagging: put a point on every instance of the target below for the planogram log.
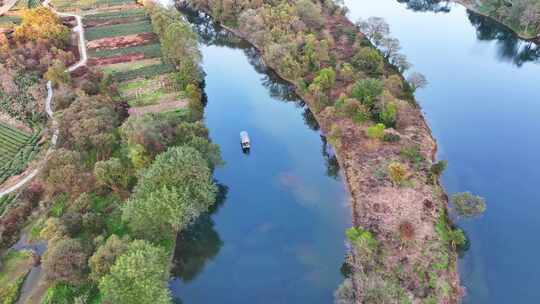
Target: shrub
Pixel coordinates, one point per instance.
(105, 256)
(376, 131)
(57, 74)
(468, 205)
(406, 230)
(390, 137)
(397, 172)
(412, 153)
(369, 60)
(388, 115)
(436, 170)
(367, 91)
(325, 79)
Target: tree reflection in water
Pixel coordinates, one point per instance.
(198, 244)
(212, 34)
(510, 48)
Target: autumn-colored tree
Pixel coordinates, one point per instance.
(41, 23)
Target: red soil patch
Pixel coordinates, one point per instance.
(121, 42)
(162, 107)
(116, 59)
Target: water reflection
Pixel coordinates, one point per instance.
(510, 48)
(436, 6)
(199, 244)
(211, 33)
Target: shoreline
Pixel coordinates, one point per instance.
(474, 9)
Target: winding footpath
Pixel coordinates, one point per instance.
(79, 29)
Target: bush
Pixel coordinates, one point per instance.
(369, 60)
(390, 137)
(376, 131)
(367, 91)
(397, 172)
(468, 205)
(65, 261)
(388, 115)
(436, 170)
(406, 230)
(412, 153)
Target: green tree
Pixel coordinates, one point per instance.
(170, 194)
(112, 173)
(103, 259)
(139, 276)
(369, 60)
(367, 91)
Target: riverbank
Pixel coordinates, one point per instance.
(474, 8)
(426, 259)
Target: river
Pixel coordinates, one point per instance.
(278, 234)
(483, 105)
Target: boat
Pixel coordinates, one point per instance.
(244, 140)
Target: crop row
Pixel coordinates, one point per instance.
(136, 12)
(17, 149)
(149, 50)
(5, 201)
(145, 72)
(119, 30)
(88, 4)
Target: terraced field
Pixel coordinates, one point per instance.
(123, 45)
(87, 4)
(17, 148)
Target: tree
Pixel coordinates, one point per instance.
(138, 276)
(367, 91)
(170, 194)
(65, 261)
(57, 74)
(310, 13)
(401, 62)
(417, 81)
(375, 28)
(64, 173)
(468, 205)
(436, 170)
(41, 23)
(105, 256)
(112, 173)
(391, 47)
(369, 60)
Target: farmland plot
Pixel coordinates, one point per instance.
(17, 148)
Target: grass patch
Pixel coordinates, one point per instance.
(149, 50)
(13, 270)
(119, 30)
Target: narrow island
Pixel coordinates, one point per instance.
(403, 247)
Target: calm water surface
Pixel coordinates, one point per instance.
(278, 235)
(483, 105)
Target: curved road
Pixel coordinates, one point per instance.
(79, 29)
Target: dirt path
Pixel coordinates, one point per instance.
(79, 29)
